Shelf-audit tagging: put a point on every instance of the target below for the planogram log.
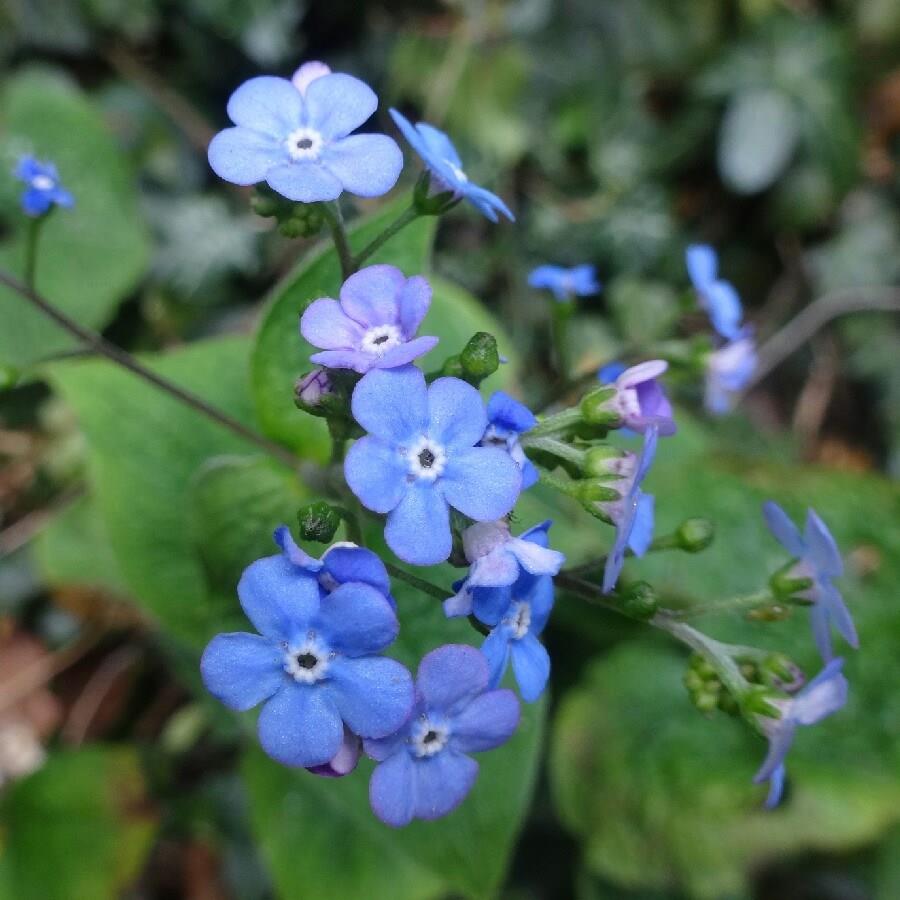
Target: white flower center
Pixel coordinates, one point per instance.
(429, 737)
(380, 339)
(307, 661)
(519, 619)
(42, 183)
(426, 459)
(304, 143)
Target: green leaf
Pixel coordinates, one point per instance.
(78, 828)
(645, 311)
(90, 256)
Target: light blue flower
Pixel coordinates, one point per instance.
(633, 513)
(442, 161)
(296, 136)
(728, 371)
(579, 281)
(425, 771)
(43, 189)
(819, 560)
(824, 695)
(717, 297)
(507, 419)
(314, 664)
(421, 457)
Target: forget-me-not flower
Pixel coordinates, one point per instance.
(43, 189)
(824, 695)
(374, 324)
(507, 419)
(442, 161)
(424, 771)
(818, 560)
(296, 136)
(314, 664)
(579, 281)
(420, 457)
(728, 370)
(717, 297)
(640, 400)
(632, 514)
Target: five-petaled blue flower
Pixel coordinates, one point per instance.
(314, 663)
(424, 770)
(374, 325)
(824, 695)
(507, 419)
(818, 560)
(728, 370)
(43, 189)
(442, 161)
(717, 297)
(640, 400)
(632, 514)
(579, 281)
(421, 457)
(296, 137)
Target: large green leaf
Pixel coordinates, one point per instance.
(78, 828)
(90, 256)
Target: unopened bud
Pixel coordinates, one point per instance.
(760, 700)
(453, 367)
(313, 390)
(318, 522)
(694, 535)
(605, 461)
(790, 585)
(598, 408)
(640, 601)
(780, 671)
(480, 358)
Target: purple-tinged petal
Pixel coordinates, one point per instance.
(354, 360)
(373, 694)
(779, 744)
(496, 569)
(642, 372)
(457, 415)
(357, 619)
(442, 783)
(304, 182)
(535, 559)
(723, 305)
(496, 650)
(614, 561)
(267, 104)
(414, 301)
(367, 165)
(823, 549)
(418, 528)
(392, 404)
(344, 761)
(241, 670)
(308, 73)
(370, 297)
(244, 157)
(450, 677)
(776, 786)
(338, 104)
(482, 483)
(300, 726)
(784, 530)
(531, 665)
(487, 722)
(277, 597)
(824, 695)
(325, 324)
(405, 353)
(376, 474)
(702, 265)
(821, 629)
(392, 790)
(839, 614)
(460, 604)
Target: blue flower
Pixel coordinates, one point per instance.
(632, 514)
(424, 771)
(443, 162)
(717, 297)
(374, 325)
(640, 400)
(421, 457)
(44, 189)
(728, 370)
(819, 560)
(579, 281)
(508, 419)
(824, 695)
(294, 136)
(314, 664)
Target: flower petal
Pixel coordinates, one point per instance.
(414, 301)
(495, 569)
(724, 308)
(508, 412)
(376, 473)
(371, 296)
(776, 786)
(824, 695)
(456, 412)
(641, 534)
(367, 165)
(325, 324)
(304, 182)
(822, 547)
(356, 361)
(451, 676)
(487, 203)
(491, 603)
(482, 483)
(784, 530)
(344, 761)
(392, 404)
(392, 790)
(535, 559)
(487, 722)
(300, 726)
(442, 783)
(406, 353)
(373, 694)
(338, 104)
(345, 563)
(779, 744)
(439, 144)
(702, 264)
(531, 664)
(840, 615)
(418, 528)
(496, 649)
(242, 156)
(267, 104)
(278, 597)
(241, 670)
(357, 619)
(821, 629)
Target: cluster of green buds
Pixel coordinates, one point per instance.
(295, 220)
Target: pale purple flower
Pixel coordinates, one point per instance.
(640, 400)
(728, 370)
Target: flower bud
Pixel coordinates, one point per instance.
(427, 203)
(694, 535)
(479, 358)
(640, 601)
(605, 461)
(318, 522)
(312, 391)
(598, 408)
(791, 584)
(780, 671)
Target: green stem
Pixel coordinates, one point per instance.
(425, 586)
(553, 424)
(559, 323)
(557, 448)
(731, 604)
(663, 542)
(410, 214)
(335, 219)
(32, 235)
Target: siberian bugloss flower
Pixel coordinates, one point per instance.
(43, 190)
(374, 324)
(421, 457)
(728, 370)
(442, 161)
(424, 771)
(507, 419)
(579, 281)
(824, 695)
(637, 401)
(717, 297)
(314, 664)
(296, 136)
(818, 560)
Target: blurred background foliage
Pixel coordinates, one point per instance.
(619, 132)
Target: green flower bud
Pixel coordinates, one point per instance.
(453, 367)
(597, 408)
(265, 202)
(790, 585)
(480, 358)
(318, 522)
(781, 672)
(758, 701)
(603, 461)
(706, 702)
(640, 601)
(694, 535)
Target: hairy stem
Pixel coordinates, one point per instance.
(425, 586)
(335, 219)
(731, 604)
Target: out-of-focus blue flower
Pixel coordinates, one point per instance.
(632, 514)
(296, 136)
(424, 771)
(819, 560)
(314, 664)
(442, 161)
(579, 281)
(507, 419)
(717, 297)
(728, 370)
(374, 325)
(421, 457)
(824, 695)
(640, 400)
(43, 189)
